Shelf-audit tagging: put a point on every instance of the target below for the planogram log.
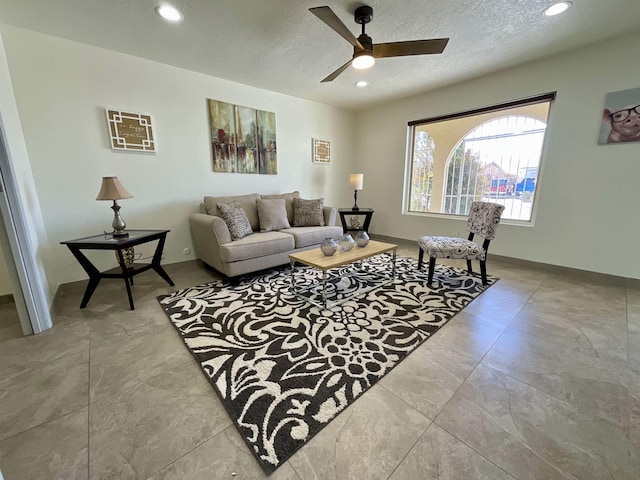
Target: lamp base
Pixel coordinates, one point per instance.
(118, 222)
(355, 201)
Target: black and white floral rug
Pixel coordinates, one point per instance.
(284, 368)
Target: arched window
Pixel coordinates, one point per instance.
(497, 161)
(491, 154)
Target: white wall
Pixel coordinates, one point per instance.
(587, 200)
(5, 283)
(23, 177)
(62, 88)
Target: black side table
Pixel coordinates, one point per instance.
(367, 212)
(106, 242)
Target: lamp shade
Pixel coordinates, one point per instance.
(356, 181)
(112, 189)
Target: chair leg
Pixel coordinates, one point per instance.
(432, 267)
(483, 271)
(420, 258)
(469, 268)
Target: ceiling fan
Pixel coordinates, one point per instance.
(364, 50)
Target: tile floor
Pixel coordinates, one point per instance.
(539, 378)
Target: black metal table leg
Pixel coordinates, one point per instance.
(93, 272)
(155, 262)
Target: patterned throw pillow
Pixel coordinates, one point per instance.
(308, 213)
(272, 214)
(236, 219)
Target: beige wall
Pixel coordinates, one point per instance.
(586, 192)
(62, 89)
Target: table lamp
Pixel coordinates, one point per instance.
(356, 180)
(112, 189)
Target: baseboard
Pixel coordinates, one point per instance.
(578, 274)
(4, 299)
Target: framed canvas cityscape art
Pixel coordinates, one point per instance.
(243, 139)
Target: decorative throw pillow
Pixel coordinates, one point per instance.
(308, 213)
(272, 214)
(236, 219)
(289, 202)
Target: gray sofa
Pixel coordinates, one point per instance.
(261, 249)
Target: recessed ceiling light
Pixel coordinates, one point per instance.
(557, 8)
(169, 12)
(361, 83)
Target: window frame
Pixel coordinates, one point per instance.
(406, 191)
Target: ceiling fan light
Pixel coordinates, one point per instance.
(362, 60)
(557, 8)
(169, 12)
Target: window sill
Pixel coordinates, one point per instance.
(444, 216)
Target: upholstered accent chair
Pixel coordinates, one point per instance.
(483, 220)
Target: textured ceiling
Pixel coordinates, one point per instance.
(280, 46)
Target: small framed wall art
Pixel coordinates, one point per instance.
(130, 131)
(621, 117)
(321, 151)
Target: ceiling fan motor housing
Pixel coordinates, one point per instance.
(366, 42)
(363, 14)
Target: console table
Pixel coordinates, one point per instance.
(367, 212)
(107, 242)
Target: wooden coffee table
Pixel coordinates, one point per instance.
(316, 259)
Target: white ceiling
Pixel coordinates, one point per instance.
(280, 46)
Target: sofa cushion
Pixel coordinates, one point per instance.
(248, 203)
(306, 236)
(288, 198)
(272, 214)
(308, 213)
(236, 220)
(257, 244)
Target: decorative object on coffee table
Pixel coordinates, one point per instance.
(362, 239)
(346, 242)
(112, 189)
(356, 181)
(328, 247)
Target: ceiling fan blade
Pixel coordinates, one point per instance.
(333, 76)
(414, 47)
(331, 19)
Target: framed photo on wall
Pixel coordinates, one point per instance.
(130, 131)
(321, 151)
(621, 117)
